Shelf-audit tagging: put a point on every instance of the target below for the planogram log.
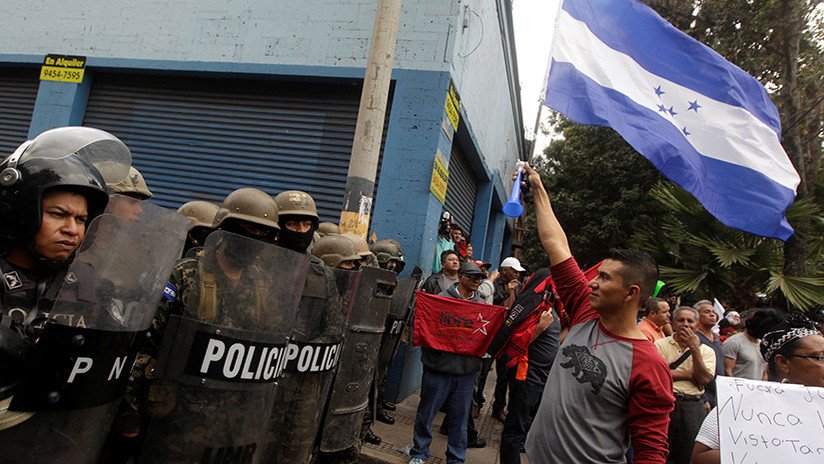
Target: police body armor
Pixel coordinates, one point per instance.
(63, 406)
(369, 304)
(213, 387)
(312, 357)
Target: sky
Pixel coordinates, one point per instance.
(534, 21)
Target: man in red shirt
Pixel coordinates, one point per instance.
(608, 385)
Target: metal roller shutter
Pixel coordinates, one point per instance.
(461, 190)
(18, 92)
(201, 138)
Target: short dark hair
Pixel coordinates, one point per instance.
(652, 305)
(759, 321)
(446, 253)
(638, 269)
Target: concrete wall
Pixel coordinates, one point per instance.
(480, 74)
(438, 40)
(307, 32)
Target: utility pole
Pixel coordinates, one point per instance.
(363, 166)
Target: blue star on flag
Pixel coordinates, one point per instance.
(685, 131)
(694, 106)
(658, 91)
(662, 109)
(672, 111)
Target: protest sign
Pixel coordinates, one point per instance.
(769, 422)
(456, 326)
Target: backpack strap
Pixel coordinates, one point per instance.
(207, 309)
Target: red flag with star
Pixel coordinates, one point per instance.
(457, 326)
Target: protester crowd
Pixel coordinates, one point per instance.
(635, 379)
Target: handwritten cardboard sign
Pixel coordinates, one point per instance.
(768, 422)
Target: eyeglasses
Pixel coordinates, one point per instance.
(815, 357)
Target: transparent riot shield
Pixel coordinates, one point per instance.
(350, 392)
(211, 394)
(65, 403)
(396, 322)
(312, 357)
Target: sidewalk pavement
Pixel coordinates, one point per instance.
(397, 438)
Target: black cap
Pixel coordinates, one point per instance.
(469, 268)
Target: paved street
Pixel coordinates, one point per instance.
(398, 437)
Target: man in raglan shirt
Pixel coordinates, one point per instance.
(608, 385)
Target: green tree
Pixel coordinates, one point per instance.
(698, 254)
(780, 43)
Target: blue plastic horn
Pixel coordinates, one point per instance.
(513, 207)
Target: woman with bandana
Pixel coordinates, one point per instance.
(794, 352)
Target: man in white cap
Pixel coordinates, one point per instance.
(507, 287)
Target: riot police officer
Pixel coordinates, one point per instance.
(228, 288)
(49, 191)
(389, 255)
(319, 327)
(298, 220)
(54, 292)
(367, 258)
(134, 187)
(337, 251)
(201, 216)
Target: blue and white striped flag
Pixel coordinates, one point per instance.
(702, 121)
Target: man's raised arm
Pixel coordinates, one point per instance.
(552, 235)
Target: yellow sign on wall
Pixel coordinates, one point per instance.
(63, 68)
(440, 177)
(453, 107)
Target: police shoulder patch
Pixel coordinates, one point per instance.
(12, 280)
(170, 292)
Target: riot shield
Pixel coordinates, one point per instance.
(350, 393)
(66, 401)
(312, 357)
(212, 390)
(396, 322)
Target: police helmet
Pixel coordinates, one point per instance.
(134, 185)
(335, 249)
(80, 159)
(248, 204)
(360, 244)
(200, 213)
(328, 228)
(387, 250)
(297, 203)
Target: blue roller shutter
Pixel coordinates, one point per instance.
(18, 92)
(201, 138)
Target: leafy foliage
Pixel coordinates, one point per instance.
(697, 254)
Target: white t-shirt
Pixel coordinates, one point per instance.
(708, 434)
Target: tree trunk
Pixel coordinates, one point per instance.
(796, 248)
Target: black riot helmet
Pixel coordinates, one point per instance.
(79, 159)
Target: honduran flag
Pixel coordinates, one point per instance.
(703, 122)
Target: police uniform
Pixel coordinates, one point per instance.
(186, 411)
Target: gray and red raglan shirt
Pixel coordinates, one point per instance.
(603, 390)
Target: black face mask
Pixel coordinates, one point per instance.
(240, 253)
(295, 241)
